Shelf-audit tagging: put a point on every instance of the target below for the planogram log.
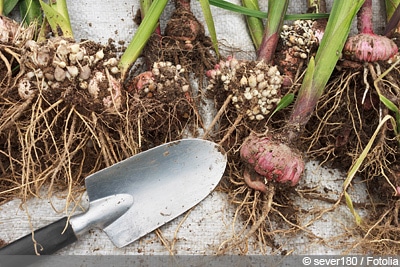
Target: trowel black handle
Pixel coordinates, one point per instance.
(48, 239)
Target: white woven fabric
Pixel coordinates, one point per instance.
(209, 223)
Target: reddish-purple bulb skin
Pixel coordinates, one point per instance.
(369, 47)
(269, 160)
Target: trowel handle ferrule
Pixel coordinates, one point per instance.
(48, 240)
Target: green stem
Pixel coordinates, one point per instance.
(390, 6)
(276, 14)
(56, 15)
(30, 11)
(205, 6)
(262, 15)
(255, 25)
(392, 16)
(61, 7)
(144, 8)
(364, 21)
(329, 51)
(142, 35)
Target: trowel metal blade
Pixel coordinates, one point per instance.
(164, 182)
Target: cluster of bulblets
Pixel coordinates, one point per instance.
(300, 37)
(47, 66)
(255, 86)
(164, 77)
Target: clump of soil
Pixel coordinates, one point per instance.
(168, 103)
(175, 63)
(65, 114)
(183, 43)
(60, 115)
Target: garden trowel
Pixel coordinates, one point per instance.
(135, 196)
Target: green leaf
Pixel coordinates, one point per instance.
(332, 43)
(205, 6)
(306, 16)
(276, 10)
(255, 25)
(142, 35)
(393, 15)
(61, 7)
(262, 15)
(59, 24)
(309, 76)
(349, 203)
(144, 7)
(8, 6)
(285, 101)
(276, 13)
(239, 9)
(391, 6)
(353, 170)
(390, 105)
(30, 11)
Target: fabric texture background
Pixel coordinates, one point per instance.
(210, 223)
